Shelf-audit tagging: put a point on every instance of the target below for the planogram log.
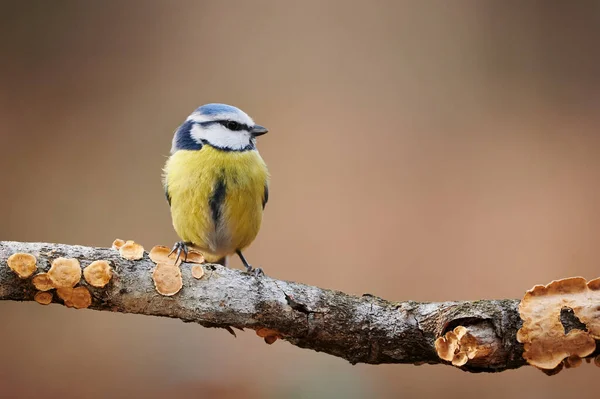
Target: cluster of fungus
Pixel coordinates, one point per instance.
(547, 345)
(167, 274)
(64, 275)
(129, 249)
(463, 344)
(162, 254)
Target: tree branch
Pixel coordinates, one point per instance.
(363, 329)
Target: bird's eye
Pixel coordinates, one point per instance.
(231, 125)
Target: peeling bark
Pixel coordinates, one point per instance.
(364, 329)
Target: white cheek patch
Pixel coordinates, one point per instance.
(221, 137)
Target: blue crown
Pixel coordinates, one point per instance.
(215, 108)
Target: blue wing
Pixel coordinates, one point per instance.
(167, 194)
(166, 186)
(265, 196)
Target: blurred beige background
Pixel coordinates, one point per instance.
(424, 150)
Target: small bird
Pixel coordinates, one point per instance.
(216, 183)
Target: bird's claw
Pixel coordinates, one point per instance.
(249, 269)
(180, 246)
(256, 271)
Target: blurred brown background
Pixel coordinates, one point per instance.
(425, 150)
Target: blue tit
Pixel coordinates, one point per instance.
(216, 183)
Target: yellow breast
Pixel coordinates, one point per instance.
(216, 198)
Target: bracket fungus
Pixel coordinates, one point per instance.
(65, 293)
(167, 279)
(42, 282)
(65, 273)
(463, 344)
(573, 361)
(43, 298)
(78, 297)
(270, 336)
(24, 265)
(546, 345)
(117, 244)
(197, 271)
(131, 250)
(98, 273)
(160, 254)
(194, 257)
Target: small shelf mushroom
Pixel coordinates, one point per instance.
(24, 265)
(167, 279)
(43, 298)
(98, 273)
(65, 273)
(543, 336)
(131, 250)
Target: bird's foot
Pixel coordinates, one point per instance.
(180, 247)
(256, 271)
(249, 269)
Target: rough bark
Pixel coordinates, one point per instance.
(364, 329)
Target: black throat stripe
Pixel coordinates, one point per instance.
(216, 200)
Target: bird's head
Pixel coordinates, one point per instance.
(219, 125)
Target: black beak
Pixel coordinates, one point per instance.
(258, 130)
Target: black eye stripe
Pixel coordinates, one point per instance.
(231, 125)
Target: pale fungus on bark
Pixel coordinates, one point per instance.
(78, 297)
(42, 282)
(479, 336)
(160, 254)
(65, 273)
(194, 257)
(167, 279)
(465, 343)
(98, 273)
(117, 244)
(43, 298)
(570, 362)
(81, 298)
(24, 265)
(546, 344)
(448, 347)
(197, 271)
(131, 250)
(65, 294)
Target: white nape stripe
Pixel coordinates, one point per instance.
(219, 136)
